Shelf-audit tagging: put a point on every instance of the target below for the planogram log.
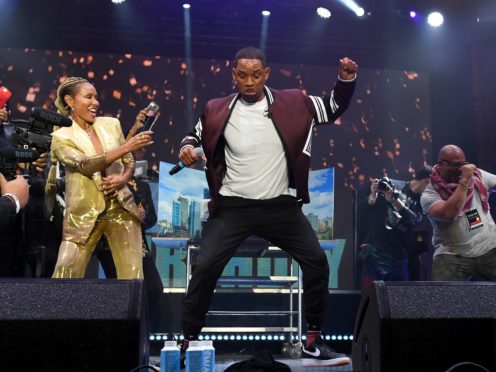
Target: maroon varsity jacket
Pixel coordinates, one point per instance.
(293, 114)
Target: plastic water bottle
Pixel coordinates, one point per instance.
(194, 357)
(208, 356)
(169, 357)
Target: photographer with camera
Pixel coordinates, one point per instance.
(387, 218)
(26, 140)
(25, 233)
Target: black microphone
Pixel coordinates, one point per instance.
(179, 166)
(10, 152)
(49, 117)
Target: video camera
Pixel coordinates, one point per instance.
(40, 125)
(29, 135)
(385, 185)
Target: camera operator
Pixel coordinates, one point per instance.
(388, 216)
(14, 197)
(26, 232)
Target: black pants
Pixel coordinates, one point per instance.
(280, 221)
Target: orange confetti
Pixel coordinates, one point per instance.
(116, 94)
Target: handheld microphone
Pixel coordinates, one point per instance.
(45, 116)
(179, 166)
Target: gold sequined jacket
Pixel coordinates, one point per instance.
(84, 197)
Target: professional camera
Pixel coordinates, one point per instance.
(385, 185)
(10, 157)
(40, 125)
(29, 135)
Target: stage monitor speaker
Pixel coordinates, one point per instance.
(72, 325)
(426, 326)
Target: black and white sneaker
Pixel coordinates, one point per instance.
(321, 354)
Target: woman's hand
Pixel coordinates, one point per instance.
(140, 140)
(112, 184)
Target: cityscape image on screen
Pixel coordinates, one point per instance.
(183, 203)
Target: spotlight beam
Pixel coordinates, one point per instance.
(265, 28)
(353, 6)
(189, 61)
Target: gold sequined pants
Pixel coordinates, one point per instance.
(123, 234)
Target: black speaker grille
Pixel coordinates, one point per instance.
(442, 300)
(72, 325)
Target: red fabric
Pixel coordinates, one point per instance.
(447, 189)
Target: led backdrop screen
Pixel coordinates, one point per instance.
(386, 130)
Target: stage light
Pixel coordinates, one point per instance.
(435, 19)
(353, 6)
(186, 6)
(413, 14)
(265, 13)
(323, 12)
(118, 1)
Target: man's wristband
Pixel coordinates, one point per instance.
(14, 199)
(462, 184)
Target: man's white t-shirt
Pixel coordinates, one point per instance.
(256, 162)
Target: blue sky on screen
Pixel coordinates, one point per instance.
(188, 183)
(321, 184)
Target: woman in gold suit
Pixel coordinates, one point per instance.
(98, 163)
